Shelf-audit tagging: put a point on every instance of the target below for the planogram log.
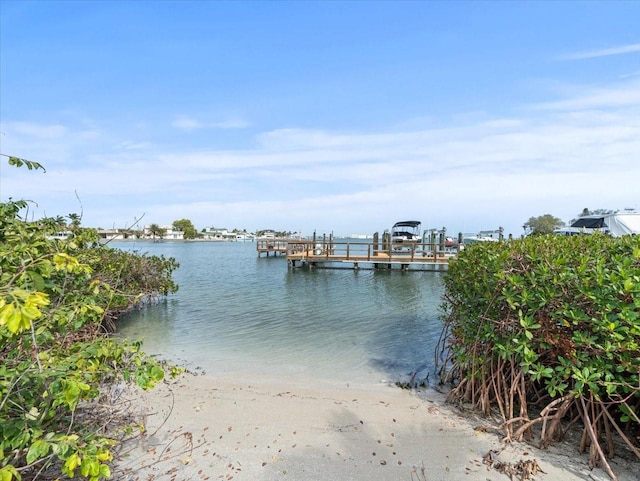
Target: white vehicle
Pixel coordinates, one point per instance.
(615, 224)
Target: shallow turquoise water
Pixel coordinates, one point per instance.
(236, 311)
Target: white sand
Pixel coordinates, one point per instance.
(242, 428)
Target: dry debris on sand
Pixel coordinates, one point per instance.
(231, 427)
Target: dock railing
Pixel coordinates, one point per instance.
(271, 246)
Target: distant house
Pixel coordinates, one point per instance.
(112, 234)
(169, 233)
(268, 234)
(172, 233)
(223, 234)
(219, 234)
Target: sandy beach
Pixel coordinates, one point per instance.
(234, 426)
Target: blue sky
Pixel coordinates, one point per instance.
(336, 116)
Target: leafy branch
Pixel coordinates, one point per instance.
(19, 162)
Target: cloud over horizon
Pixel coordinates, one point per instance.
(472, 176)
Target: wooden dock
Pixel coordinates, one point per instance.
(272, 246)
(371, 255)
(433, 253)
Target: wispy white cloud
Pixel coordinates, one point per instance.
(234, 123)
(131, 145)
(624, 94)
(188, 124)
(35, 130)
(605, 52)
(630, 75)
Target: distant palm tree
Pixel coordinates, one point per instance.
(156, 230)
(75, 221)
(56, 223)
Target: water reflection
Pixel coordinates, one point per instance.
(235, 311)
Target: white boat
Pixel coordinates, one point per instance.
(615, 224)
(482, 236)
(406, 232)
(64, 235)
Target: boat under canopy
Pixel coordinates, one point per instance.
(406, 231)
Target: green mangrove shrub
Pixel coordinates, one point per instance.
(56, 299)
(133, 278)
(546, 331)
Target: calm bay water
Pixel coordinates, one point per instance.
(237, 312)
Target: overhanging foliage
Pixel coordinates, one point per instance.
(56, 300)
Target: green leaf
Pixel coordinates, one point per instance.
(5, 312)
(105, 472)
(157, 373)
(15, 323)
(71, 464)
(9, 473)
(38, 450)
(38, 281)
(30, 313)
